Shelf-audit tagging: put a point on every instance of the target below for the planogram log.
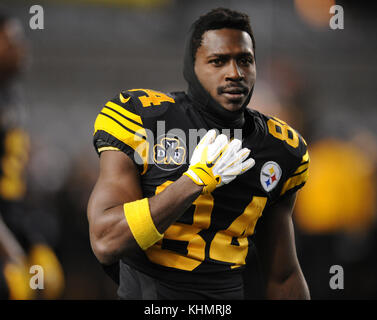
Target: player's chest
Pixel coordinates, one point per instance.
(270, 171)
(173, 146)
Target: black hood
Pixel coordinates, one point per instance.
(213, 112)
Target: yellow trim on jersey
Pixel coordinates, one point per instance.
(124, 130)
(299, 176)
(302, 167)
(125, 112)
(128, 124)
(139, 220)
(108, 149)
(295, 181)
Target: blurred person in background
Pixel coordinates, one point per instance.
(22, 245)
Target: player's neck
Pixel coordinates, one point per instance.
(215, 115)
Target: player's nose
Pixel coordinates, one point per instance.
(233, 72)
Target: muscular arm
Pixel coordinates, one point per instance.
(276, 248)
(119, 183)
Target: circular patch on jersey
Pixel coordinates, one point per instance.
(169, 153)
(270, 175)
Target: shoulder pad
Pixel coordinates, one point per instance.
(147, 102)
(292, 146)
(296, 145)
(119, 125)
(291, 139)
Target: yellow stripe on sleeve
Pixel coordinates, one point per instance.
(295, 181)
(125, 122)
(115, 127)
(299, 176)
(107, 149)
(304, 164)
(302, 168)
(125, 112)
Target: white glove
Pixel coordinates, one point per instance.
(216, 162)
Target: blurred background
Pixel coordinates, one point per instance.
(319, 80)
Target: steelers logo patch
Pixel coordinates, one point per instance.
(270, 175)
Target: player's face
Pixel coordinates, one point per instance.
(225, 66)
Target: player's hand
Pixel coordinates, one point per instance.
(216, 161)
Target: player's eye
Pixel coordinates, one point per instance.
(217, 62)
(245, 61)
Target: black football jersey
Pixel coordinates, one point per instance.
(212, 238)
(14, 146)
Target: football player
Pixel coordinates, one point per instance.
(179, 222)
(21, 243)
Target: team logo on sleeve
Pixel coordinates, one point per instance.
(169, 153)
(270, 175)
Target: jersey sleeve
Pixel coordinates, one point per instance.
(300, 172)
(120, 127)
(292, 153)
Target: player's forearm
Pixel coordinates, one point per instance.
(111, 236)
(294, 287)
(167, 206)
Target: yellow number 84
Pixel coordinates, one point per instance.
(220, 247)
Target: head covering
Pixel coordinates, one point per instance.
(214, 114)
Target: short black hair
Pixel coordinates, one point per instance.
(219, 18)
